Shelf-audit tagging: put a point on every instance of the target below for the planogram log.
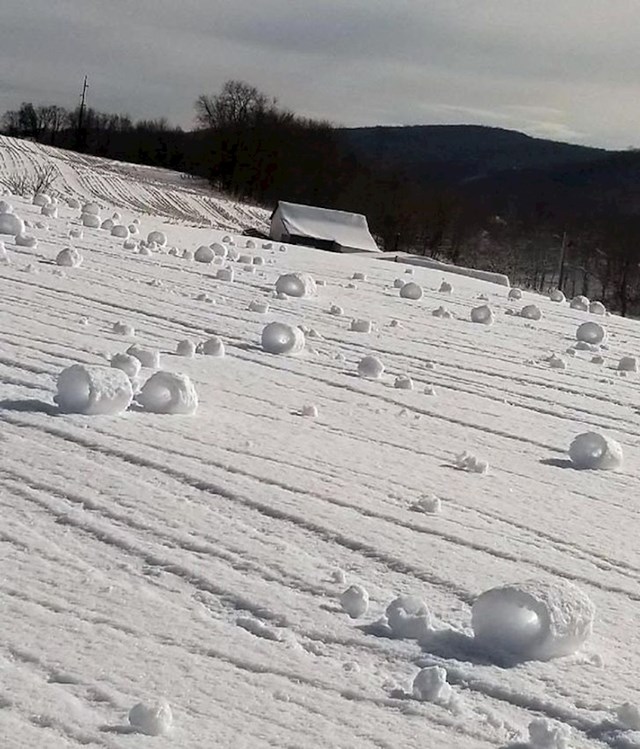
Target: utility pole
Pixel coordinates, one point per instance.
(79, 132)
(563, 251)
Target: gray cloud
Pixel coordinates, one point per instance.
(554, 69)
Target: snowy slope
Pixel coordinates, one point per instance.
(194, 558)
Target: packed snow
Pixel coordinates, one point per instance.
(183, 530)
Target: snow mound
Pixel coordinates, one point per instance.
(168, 393)
(355, 601)
(213, 346)
(151, 720)
(580, 302)
(445, 288)
(11, 224)
(411, 290)
(361, 326)
(93, 390)
(186, 348)
(311, 410)
(430, 685)
(591, 332)
(258, 306)
(629, 715)
(128, 364)
(408, 618)
(225, 274)
(483, 315)
(533, 620)
(69, 257)
(25, 240)
(467, 462)
(592, 450)
(544, 734)
(403, 382)
(159, 237)
(515, 293)
(628, 364)
(120, 230)
(296, 284)
(597, 308)
(148, 357)
(91, 220)
(429, 504)
(371, 367)
(204, 255)
(280, 338)
(442, 312)
(531, 312)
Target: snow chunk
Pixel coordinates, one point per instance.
(123, 328)
(483, 314)
(4, 258)
(73, 203)
(186, 348)
(408, 618)
(10, 224)
(371, 367)
(168, 393)
(442, 312)
(213, 346)
(411, 290)
(591, 332)
(557, 362)
(159, 237)
(403, 382)
(338, 576)
(76, 233)
(531, 312)
(429, 504)
(128, 364)
(93, 390)
(148, 357)
(120, 230)
(544, 734)
(355, 601)
(445, 288)
(597, 359)
(280, 338)
(533, 620)
(25, 240)
(597, 308)
(580, 302)
(69, 257)
(430, 685)
(152, 720)
(358, 276)
(515, 293)
(91, 220)
(468, 462)
(398, 283)
(296, 284)
(250, 244)
(204, 254)
(225, 274)
(628, 364)
(595, 451)
(361, 326)
(629, 715)
(311, 410)
(258, 306)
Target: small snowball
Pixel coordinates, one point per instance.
(555, 295)
(355, 601)
(168, 393)
(597, 359)
(232, 254)
(93, 390)
(430, 685)
(90, 220)
(26, 240)
(296, 285)
(336, 310)
(225, 274)
(358, 276)
(627, 364)
(408, 618)
(120, 230)
(149, 358)
(483, 314)
(280, 338)
(429, 504)
(91, 209)
(339, 576)
(515, 293)
(258, 306)
(116, 216)
(442, 312)
(219, 250)
(580, 303)
(629, 715)
(76, 233)
(467, 462)
(250, 244)
(411, 290)
(429, 390)
(173, 251)
(50, 211)
(398, 283)
(128, 364)
(73, 203)
(597, 308)
(151, 720)
(123, 328)
(204, 255)
(107, 224)
(445, 288)
(557, 362)
(41, 199)
(543, 734)
(595, 451)
(159, 237)
(310, 410)
(133, 229)
(213, 346)
(531, 312)
(409, 271)
(371, 367)
(186, 348)
(361, 326)
(591, 332)
(69, 257)
(129, 244)
(10, 224)
(187, 255)
(403, 382)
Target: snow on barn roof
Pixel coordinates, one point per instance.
(348, 230)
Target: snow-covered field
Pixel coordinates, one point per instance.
(202, 559)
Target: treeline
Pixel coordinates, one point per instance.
(247, 145)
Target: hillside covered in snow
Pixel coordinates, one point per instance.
(257, 495)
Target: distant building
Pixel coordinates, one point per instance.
(336, 231)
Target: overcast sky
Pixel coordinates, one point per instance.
(563, 69)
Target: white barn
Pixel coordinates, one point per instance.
(337, 231)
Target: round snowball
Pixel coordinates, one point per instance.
(204, 254)
(151, 720)
(355, 601)
(555, 295)
(168, 393)
(483, 314)
(159, 237)
(580, 303)
(531, 312)
(515, 293)
(128, 364)
(92, 209)
(120, 230)
(25, 240)
(296, 285)
(430, 685)
(107, 224)
(408, 617)
(186, 348)
(595, 451)
(371, 367)
(69, 257)
(213, 346)
(280, 338)
(91, 220)
(591, 332)
(597, 308)
(149, 358)
(411, 290)
(11, 224)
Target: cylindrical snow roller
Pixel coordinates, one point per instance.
(93, 390)
(533, 620)
(168, 393)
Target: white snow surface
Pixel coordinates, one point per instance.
(132, 545)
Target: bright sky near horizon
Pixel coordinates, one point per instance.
(561, 69)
